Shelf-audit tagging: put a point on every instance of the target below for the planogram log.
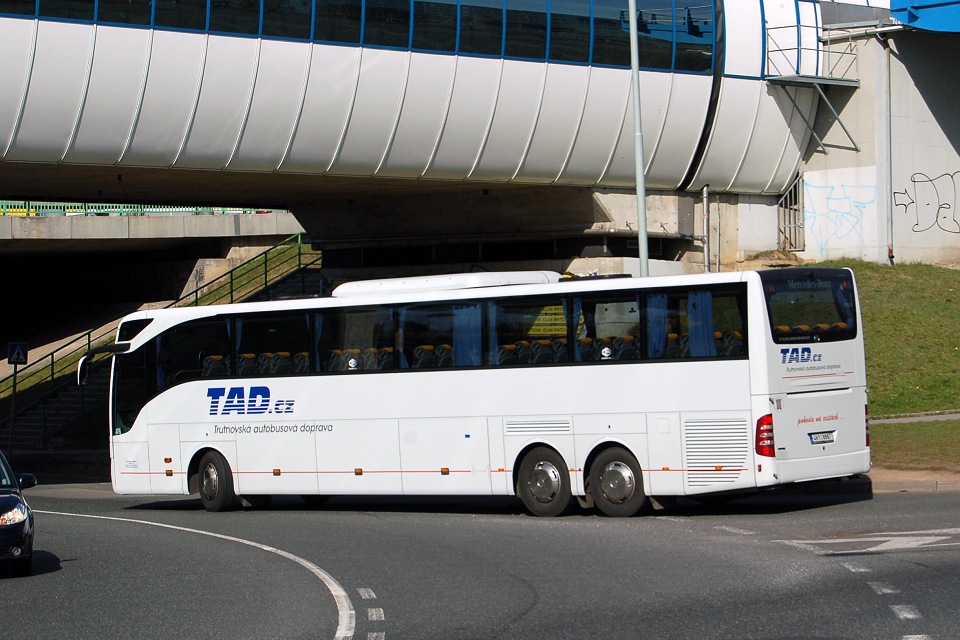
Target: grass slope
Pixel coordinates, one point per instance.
(911, 314)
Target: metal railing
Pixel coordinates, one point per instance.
(799, 50)
(790, 217)
(46, 375)
(28, 208)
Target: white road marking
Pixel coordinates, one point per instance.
(367, 594)
(882, 588)
(920, 637)
(742, 532)
(856, 568)
(879, 542)
(346, 616)
(375, 614)
(376, 635)
(905, 611)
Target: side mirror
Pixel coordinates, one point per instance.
(27, 480)
(83, 367)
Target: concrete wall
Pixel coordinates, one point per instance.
(757, 225)
(739, 225)
(898, 192)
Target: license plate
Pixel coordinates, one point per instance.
(823, 437)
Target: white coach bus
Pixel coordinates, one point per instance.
(613, 391)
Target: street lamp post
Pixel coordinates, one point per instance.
(643, 249)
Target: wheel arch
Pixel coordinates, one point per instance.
(193, 468)
(599, 448)
(527, 448)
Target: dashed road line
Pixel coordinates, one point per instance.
(875, 543)
(743, 532)
(906, 611)
(882, 588)
(373, 613)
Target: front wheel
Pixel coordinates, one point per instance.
(616, 484)
(544, 483)
(216, 483)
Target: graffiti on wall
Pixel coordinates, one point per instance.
(835, 213)
(931, 203)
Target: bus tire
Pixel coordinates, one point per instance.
(543, 483)
(616, 484)
(216, 483)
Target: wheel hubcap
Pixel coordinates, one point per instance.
(210, 482)
(617, 482)
(544, 482)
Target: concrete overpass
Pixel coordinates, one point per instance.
(422, 131)
(411, 124)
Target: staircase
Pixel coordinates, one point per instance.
(66, 414)
(49, 410)
(305, 283)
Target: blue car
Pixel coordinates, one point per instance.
(16, 520)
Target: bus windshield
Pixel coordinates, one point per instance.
(810, 305)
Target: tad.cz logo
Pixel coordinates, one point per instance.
(243, 401)
(798, 355)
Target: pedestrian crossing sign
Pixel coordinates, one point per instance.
(17, 353)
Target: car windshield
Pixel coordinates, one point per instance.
(6, 474)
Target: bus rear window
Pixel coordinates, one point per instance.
(812, 305)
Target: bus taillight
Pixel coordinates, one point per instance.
(866, 422)
(765, 445)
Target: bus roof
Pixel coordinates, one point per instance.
(445, 282)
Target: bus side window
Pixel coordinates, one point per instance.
(192, 350)
(607, 327)
(524, 331)
(355, 339)
(440, 335)
(667, 326)
(699, 323)
(728, 324)
(272, 339)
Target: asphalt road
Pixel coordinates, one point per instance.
(832, 564)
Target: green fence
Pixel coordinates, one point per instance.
(27, 208)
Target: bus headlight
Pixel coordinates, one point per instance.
(15, 516)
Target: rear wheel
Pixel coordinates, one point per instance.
(544, 483)
(616, 484)
(216, 483)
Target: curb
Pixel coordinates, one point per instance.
(928, 416)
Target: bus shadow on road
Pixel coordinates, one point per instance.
(799, 497)
(781, 499)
